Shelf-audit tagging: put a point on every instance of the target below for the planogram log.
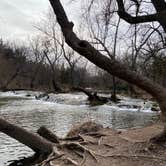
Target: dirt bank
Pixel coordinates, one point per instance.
(108, 147)
(90, 144)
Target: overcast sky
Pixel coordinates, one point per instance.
(18, 17)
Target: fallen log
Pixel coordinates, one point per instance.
(94, 97)
(41, 96)
(50, 136)
(47, 134)
(35, 142)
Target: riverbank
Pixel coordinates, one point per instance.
(106, 146)
(119, 148)
(61, 113)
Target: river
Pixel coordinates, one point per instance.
(61, 112)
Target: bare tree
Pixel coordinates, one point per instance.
(56, 45)
(112, 66)
(46, 52)
(16, 61)
(38, 59)
(152, 62)
(101, 28)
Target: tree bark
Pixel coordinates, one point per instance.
(33, 141)
(47, 134)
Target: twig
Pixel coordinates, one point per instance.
(110, 146)
(79, 146)
(69, 160)
(50, 158)
(54, 155)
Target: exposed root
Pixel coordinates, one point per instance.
(110, 146)
(74, 141)
(54, 155)
(78, 153)
(71, 161)
(49, 160)
(83, 160)
(80, 147)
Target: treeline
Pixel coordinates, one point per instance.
(29, 68)
(25, 68)
(20, 70)
(16, 72)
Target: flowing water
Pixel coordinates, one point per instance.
(61, 112)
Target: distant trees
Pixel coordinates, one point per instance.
(17, 71)
(110, 35)
(36, 67)
(10, 69)
(58, 52)
(153, 65)
(38, 58)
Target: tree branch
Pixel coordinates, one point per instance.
(138, 19)
(33, 141)
(113, 67)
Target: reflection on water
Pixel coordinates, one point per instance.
(60, 117)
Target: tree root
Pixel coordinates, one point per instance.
(49, 160)
(78, 153)
(54, 155)
(107, 145)
(80, 147)
(94, 154)
(71, 161)
(76, 147)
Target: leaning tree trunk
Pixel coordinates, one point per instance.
(88, 93)
(37, 143)
(94, 98)
(112, 66)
